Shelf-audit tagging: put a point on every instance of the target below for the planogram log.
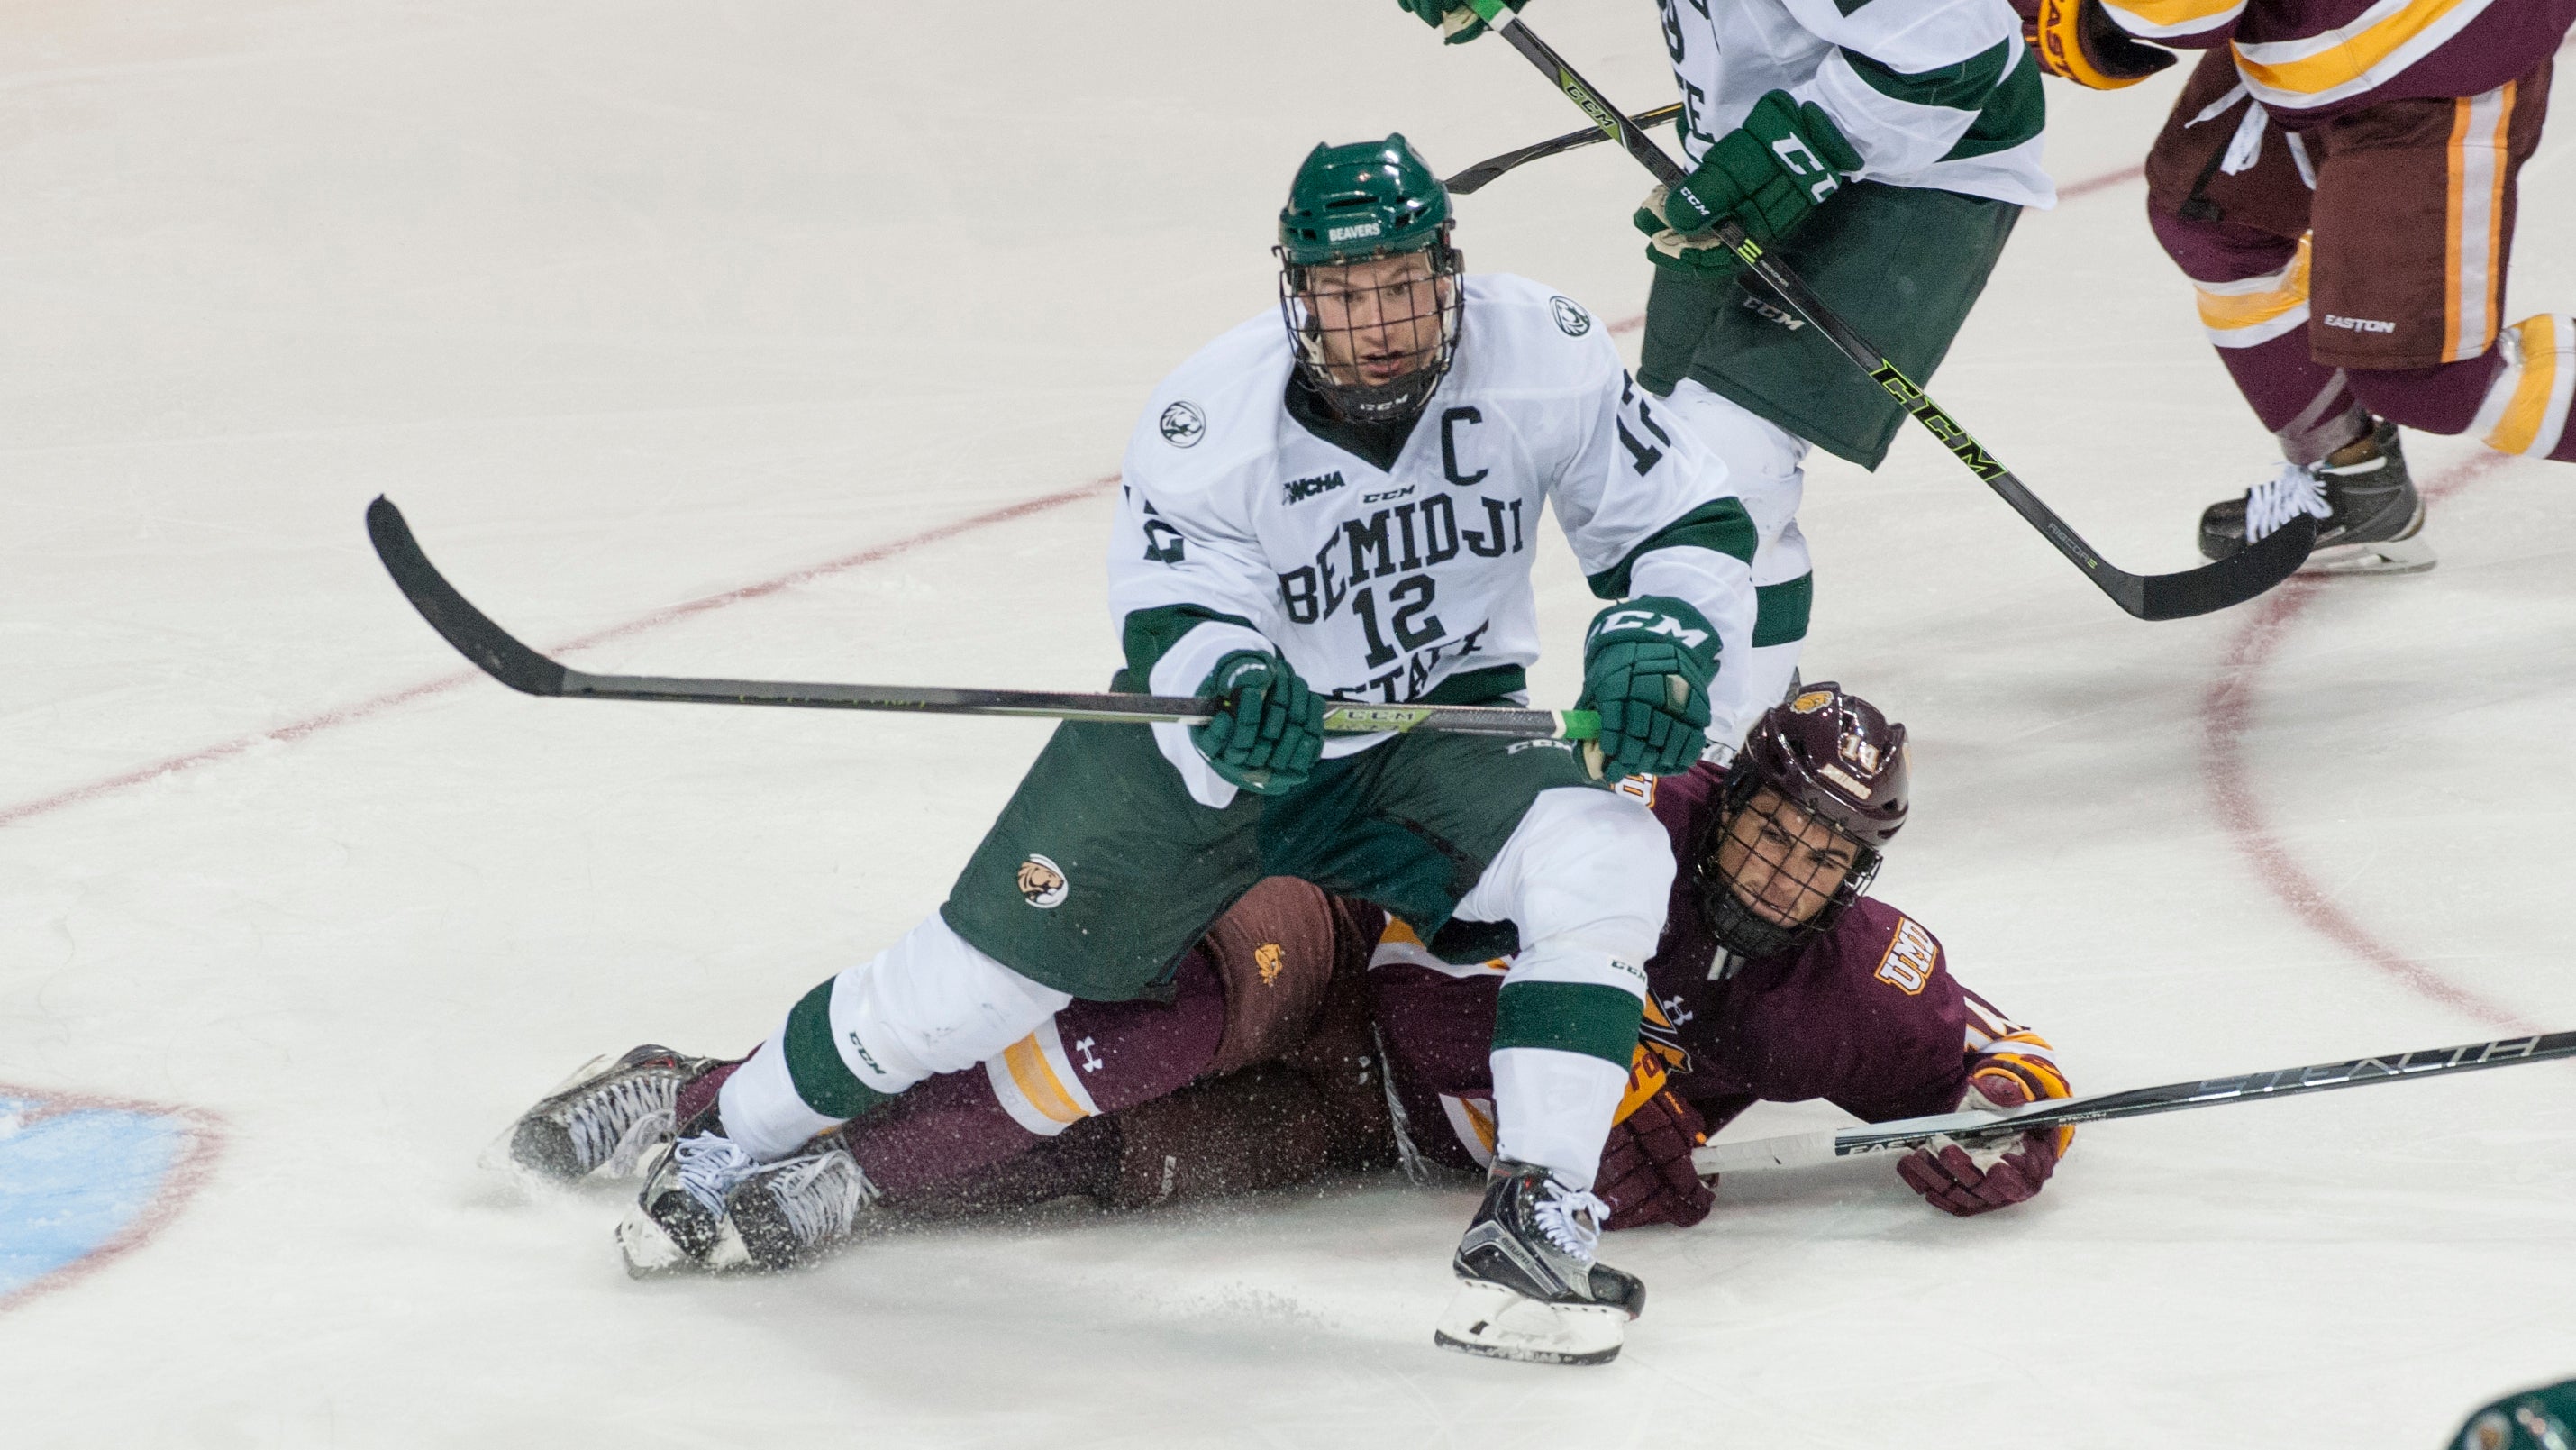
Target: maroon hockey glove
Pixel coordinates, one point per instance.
(1970, 1181)
(1646, 1174)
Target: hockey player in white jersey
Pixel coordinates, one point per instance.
(1335, 499)
(1882, 150)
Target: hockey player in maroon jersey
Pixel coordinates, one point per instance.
(2338, 179)
(1777, 978)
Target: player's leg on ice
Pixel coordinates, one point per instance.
(1766, 465)
(1098, 876)
(2350, 273)
(605, 1118)
(1584, 878)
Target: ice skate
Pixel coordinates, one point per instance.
(678, 1224)
(1529, 1288)
(795, 1210)
(2367, 510)
(605, 1118)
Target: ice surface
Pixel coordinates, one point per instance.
(633, 304)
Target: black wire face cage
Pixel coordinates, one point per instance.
(1736, 925)
(1374, 321)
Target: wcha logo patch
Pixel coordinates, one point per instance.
(1298, 490)
(1571, 319)
(1042, 883)
(1183, 425)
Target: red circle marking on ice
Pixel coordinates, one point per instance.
(2227, 710)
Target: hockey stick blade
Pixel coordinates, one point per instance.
(1797, 1150)
(2144, 596)
(1477, 177)
(504, 658)
(459, 623)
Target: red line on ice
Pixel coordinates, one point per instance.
(2226, 712)
(11, 815)
(187, 1173)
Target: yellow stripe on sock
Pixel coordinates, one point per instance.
(1038, 1083)
(2533, 381)
(2231, 307)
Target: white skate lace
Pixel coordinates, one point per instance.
(1571, 1219)
(821, 1196)
(600, 1121)
(709, 1167)
(2293, 491)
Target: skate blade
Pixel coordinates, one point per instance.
(2387, 556)
(651, 1253)
(1490, 1320)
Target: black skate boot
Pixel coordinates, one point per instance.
(678, 1224)
(793, 1211)
(2366, 507)
(606, 1116)
(1529, 1287)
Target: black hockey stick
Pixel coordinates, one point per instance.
(2230, 581)
(521, 668)
(1476, 177)
(1798, 1150)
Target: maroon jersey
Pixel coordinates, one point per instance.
(2307, 60)
(1866, 1016)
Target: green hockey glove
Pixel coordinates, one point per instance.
(1766, 174)
(1456, 23)
(1646, 668)
(1270, 732)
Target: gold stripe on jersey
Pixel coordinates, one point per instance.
(1472, 1119)
(2256, 310)
(2350, 59)
(1399, 945)
(2153, 19)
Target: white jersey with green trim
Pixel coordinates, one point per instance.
(1931, 93)
(1238, 528)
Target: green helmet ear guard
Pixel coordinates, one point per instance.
(1366, 199)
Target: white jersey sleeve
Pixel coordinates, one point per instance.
(1648, 509)
(1907, 79)
(1188, 582)
(1931, 93)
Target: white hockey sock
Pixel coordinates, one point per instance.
(929, 1003)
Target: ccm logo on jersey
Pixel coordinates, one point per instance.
(1911, 959)
(1653, 623)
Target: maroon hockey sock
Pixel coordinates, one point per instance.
(2441, 399)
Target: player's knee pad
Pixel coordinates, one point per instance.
(1765, 463)
(931, 1003)
(1583, 866)
(1273, 952)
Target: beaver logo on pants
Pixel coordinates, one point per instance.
(1042, 883)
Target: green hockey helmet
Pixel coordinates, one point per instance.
(1366, 199)
(1369, 286)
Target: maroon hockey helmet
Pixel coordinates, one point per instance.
(1834, 757)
